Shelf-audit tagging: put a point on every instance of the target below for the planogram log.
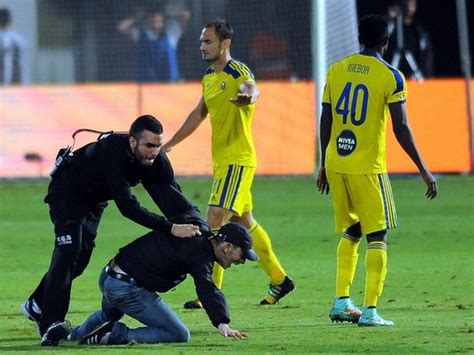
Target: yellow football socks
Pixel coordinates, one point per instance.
(217, 270)
(376, 269)
(347, 257)
(268, 260)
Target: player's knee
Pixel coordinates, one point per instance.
(354, 231)
(246, 220)
(78, 270)
(379, 236)
(68, 250)
(217, 217)
(64, 260)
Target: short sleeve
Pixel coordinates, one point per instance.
(326, 92)
(240, 72)
(246, 76)
(397, 89)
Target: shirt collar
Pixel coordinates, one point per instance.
(371, 53)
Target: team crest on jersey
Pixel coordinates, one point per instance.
(223, 85)
(346, 143)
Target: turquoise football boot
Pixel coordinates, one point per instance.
(344, 310)
(370, 318)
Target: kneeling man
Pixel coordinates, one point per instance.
(158, 262)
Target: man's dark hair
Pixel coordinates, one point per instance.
(156, 9)
(393, 2)
(222, 27)
(145, 122)
(373, 31)
(5, 17)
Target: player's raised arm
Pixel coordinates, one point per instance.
(402, 132)
(191, 123)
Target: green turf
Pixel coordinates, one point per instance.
(428, 292)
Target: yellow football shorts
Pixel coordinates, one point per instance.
(231, 188)
(364, 198)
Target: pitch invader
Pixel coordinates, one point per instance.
(360, 91)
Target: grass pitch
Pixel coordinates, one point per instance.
(428, 292)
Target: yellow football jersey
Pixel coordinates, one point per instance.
(359, 89)
(232, 141)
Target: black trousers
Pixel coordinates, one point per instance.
(74, 243)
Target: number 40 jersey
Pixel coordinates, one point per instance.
(359, 89)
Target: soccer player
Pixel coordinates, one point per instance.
(359, 92)
(229, 94)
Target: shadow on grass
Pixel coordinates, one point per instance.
(20, 315)
(72, 347)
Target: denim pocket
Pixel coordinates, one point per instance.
(123, 295)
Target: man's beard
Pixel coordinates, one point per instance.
(211, 60)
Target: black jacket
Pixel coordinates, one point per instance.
(159, 262)
(105, 170)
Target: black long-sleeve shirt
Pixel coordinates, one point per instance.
(105, 170)
(159, 262)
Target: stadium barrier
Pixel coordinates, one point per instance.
(38, 120)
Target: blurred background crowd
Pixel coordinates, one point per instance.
(74, 41)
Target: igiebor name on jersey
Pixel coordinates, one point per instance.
(358, 68)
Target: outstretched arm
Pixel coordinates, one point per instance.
(193, 121)
(213, 299)
(402, 132)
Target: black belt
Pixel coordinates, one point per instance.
(121, 277)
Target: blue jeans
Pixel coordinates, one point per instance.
(119, 298)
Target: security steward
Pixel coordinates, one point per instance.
(157, 262)
(101, 171)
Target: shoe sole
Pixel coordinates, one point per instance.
(192, 305)
(54, 334)
(94, 332)
(342, 320)
(49, 342)
(27, 314)
(264, 302)
(58, 332)
(374, 325)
